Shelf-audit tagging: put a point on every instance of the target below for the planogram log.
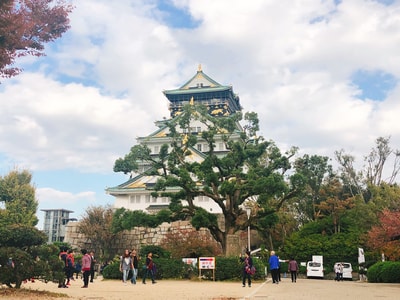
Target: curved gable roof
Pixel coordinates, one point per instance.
(200, 82)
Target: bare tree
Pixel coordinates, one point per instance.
(376, 162)
(96, 226)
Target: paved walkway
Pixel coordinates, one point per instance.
(304, 289)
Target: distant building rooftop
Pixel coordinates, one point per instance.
(58, 209)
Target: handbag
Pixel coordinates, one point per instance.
(251, 270)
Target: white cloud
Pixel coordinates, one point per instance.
(49, 196)
(290, 61)
(49, 125)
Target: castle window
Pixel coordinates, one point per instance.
(202, 198)
(199, 147)
(134, 199)
(147, 199)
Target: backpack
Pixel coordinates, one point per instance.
(69, 262)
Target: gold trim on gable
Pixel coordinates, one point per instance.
(161, 134)
(137, 185)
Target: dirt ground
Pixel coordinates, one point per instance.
(206, 290)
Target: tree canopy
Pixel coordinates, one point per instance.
(96, 225)
(18, 196)
(385, 236)
(25, 26)
(23, 252)
(295, 201)
(251, 168)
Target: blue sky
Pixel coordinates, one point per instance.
(322, 76)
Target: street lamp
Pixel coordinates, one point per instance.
(248, 211)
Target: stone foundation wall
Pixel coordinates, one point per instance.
(132, 239)
(138, 236)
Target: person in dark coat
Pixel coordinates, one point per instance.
(247, 267)
(92, 266)
(293, 268)
(150, 266)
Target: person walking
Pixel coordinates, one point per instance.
(274, 266)
(293, 268)
(247, 267)
(125, 265)
(86, 262)
(340, 271)
(279, 268)
(92, 265)
(78, 269)
(149, 268)
(135, 262)
(63, 257)
(337, 271)
(70, 263)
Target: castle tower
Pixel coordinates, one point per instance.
(219, 99)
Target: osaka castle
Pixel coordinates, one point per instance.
(220, 101)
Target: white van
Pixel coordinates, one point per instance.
(347, 270)
(315, 269)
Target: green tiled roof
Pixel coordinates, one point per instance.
(199, 83)
(198, 90)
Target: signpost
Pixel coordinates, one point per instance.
(190, 261)
(207, 263)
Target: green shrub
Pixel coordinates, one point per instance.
(302, 269)
(41, 262)
(227, 268)
(284, 267)
(112, 271)
(388, 272)
(158, 252)
(16, 265)
(391, 272)
(173, 268)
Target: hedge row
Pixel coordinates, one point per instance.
(167, 268)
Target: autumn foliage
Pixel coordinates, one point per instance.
(385, 236)
(96, 224)
(25, 26)
(190, 243)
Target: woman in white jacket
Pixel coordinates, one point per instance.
(125, 265)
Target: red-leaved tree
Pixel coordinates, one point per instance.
(25, 26)
(385, 236)
(190, 243)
